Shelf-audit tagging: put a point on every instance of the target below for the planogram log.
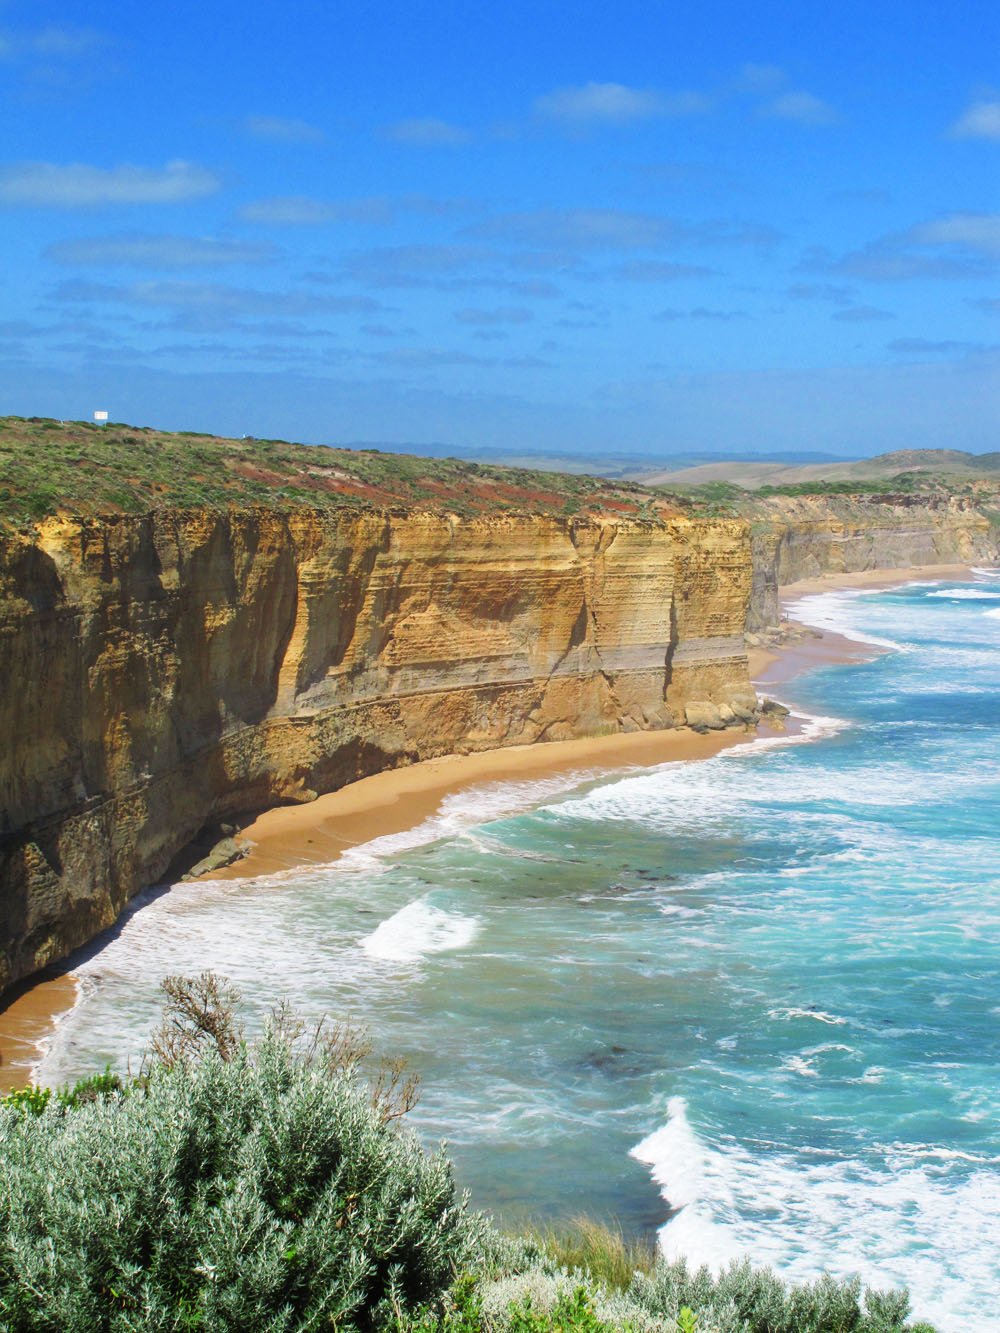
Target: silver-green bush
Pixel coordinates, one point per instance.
(258, 1193)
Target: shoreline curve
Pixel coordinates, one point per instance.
(397, 800)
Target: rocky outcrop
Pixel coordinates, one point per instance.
(803, 537)
(164, 672)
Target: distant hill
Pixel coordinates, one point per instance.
(752, 475)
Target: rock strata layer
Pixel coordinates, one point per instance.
(165, 672)
(805, 537)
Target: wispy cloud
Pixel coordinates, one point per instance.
(818, 291)
(299, 210)
(593, 104)
(501, 315)
(282, 129)
(413, 265)
(654, 270)
(602, 228)
(614, 229)
(971, 231)
(933, 347)
(218, 298)
(760, 78)
(78, 185)
(803, 107)
(700, 312)
(862, 314)
(138, 251)
(427, 132)
(981, 120)
(54, 42)
(957, 245)
(885, 261)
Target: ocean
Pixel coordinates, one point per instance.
(751, 1001)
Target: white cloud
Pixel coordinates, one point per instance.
(972, 231)
(77, 185)
(613, 228)
(282, 129)
(139, 251)
(216, 298)
(659, 270)
(803, 107)
(980, 121)
(957, 245)
(427, 132)
(760, 78)
(501, 315)
(596, 103)
(298, 210)
(51, 43)
(861, 314)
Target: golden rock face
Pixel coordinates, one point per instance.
(804, 537)
(164, 671)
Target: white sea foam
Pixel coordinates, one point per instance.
(817, 1014)
(986, 573)
(795, 1064)
(676, 1157)
(966, 595)
(419, 929)
(461, 812)
(903, 1218)
(993, 615)
(832, 611)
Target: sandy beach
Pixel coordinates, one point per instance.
(400, 799)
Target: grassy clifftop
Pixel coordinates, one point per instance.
(48, 467)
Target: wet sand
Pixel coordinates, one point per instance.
(400, 799)
(29, 1013)
(874, 578)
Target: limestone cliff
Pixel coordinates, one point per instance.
(166, 669)
(806, 536)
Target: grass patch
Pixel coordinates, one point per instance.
(600, 1249)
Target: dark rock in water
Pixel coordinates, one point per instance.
(224, 853)
(773, 709)
(611, 1061)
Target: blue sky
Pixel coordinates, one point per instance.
(560, 226)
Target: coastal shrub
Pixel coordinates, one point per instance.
(256, 1193)
(744, 1299)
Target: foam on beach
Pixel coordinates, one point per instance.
(832, 612)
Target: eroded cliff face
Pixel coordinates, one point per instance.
(165, 671)
(802, 537)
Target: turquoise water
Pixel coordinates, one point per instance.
(752, 1001)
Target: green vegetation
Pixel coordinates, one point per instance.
(48, 467)
(53, 467)
(902, 482)
(265, 1186)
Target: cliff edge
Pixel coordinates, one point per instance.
(169, 668)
